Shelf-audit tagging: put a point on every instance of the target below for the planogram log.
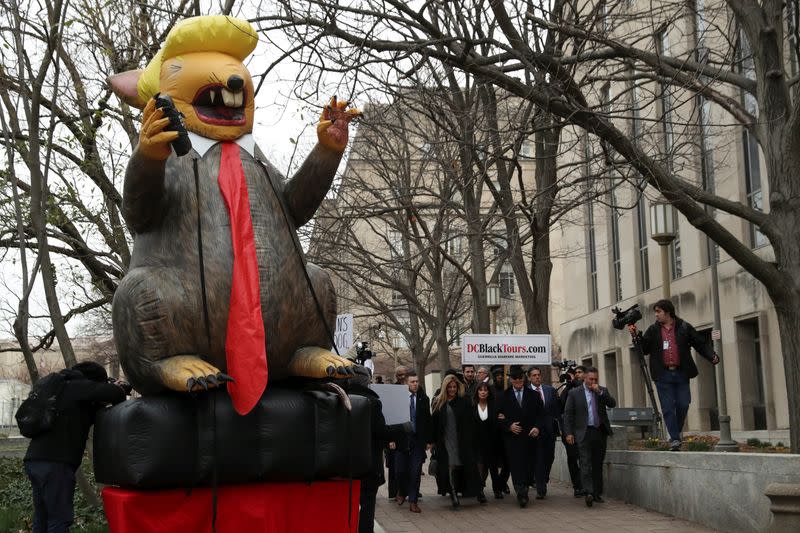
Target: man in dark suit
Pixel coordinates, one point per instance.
(522, 421)
(411, 449)
(586, 423)
(546, 442)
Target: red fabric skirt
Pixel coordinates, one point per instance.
(321, 506)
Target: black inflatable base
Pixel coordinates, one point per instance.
(180, 441)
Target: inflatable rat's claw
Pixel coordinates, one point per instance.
(341, 370)
(190, 384)
(212, 380)
(331, 371)
(202, 382)
(225, 378)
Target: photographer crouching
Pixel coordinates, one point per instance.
(668, 341)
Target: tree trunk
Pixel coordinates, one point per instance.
(789, 326)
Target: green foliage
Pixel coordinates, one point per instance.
(3, 436)
(780, 445)
(698, 446)
(654, 443)
(754, 442)
(16, 502)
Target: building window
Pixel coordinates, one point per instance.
(641, 237)
(662, 44)
(793, 22)
(395, 239)
(616, 262)
(591, 243)
(636, 102)
(750, 148)
(592, 254)
(454, 332)
(676, 263)
(455, 245)
(506, 280)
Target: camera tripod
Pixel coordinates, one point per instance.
(648, 383)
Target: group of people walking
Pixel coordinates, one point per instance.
(479, 430)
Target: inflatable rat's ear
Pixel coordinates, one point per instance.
(124, 86)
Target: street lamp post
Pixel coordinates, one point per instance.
(662, 230)
(493, 304)
(396, 345)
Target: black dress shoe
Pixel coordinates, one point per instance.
(498, 495)
(540, 495)
(481, 497)
(454, 501)
(578, 493)
(598, 499)
(522, 498)
(589, 500)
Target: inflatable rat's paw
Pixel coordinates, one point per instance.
(332, 130)
(186, 373)
(154, 142)
(314, 362)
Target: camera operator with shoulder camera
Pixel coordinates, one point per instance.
(364, 357)
(668, 341)
(54, 455)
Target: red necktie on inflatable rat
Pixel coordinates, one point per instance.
(245, 348)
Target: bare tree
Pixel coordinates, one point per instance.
(436, 31)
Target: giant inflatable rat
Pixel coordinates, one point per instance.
(158, 311)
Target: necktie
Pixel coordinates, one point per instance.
(245, 348)
(412, 407)
(541, 393)
(595, 416)
(519, 397)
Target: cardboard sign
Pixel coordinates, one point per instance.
(344, 333)
(506, 349)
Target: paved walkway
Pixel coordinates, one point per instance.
(560, 511)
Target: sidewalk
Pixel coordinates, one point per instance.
(560, 511)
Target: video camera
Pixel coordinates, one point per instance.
(624, 318)
(568, 369)
(363, 352)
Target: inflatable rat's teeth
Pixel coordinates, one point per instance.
(211, 95)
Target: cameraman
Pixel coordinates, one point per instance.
(54, 456)
(669, 341)
(364, 357)
(574, 380)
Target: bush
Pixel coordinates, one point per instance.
(697, 446)
(780, 445)
(754, 442)
(3, 435)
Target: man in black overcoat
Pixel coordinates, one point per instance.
(523, 419)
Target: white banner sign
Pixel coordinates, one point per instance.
(505, 349)
(344, 333)
(394, 399)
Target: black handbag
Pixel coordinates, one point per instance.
(432, 464)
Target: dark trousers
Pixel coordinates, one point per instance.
(592, 450)
(408, 467)
(545, 455)
(392, 481)
(520, 453)
(53, 487)
(674, 396)
(500, 471)
(366, 516)
(572, 464)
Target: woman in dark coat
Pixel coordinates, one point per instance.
(487, 420)
(455, 435)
